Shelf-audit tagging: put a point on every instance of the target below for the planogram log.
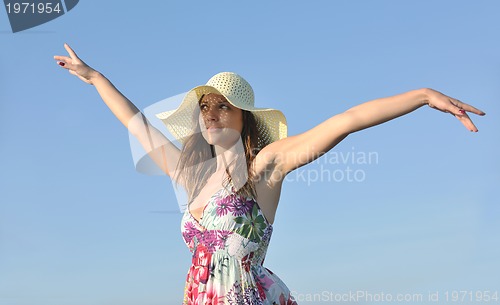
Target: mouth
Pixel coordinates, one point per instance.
(214, 127)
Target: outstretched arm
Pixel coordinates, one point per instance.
(159, 148)
(382, 110)
(295, 151)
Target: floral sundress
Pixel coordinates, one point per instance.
(229, 245)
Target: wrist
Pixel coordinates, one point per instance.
(424, 95)
(95, 75)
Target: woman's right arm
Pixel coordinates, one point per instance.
(160, 149)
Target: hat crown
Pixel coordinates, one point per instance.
(234, 87)
(271, 123)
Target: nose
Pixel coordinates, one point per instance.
(211, 114)
(209, 117)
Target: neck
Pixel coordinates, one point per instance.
(227, 158)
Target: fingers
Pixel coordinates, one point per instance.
(459, 109)
(67, 64)
(474, 110)
(62, 58)
(466, 107)
(455, 107)
(64, 62)
(71, 53)
(467, 122)
(462, 115)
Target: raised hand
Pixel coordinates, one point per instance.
(76, 66)
(457, 108)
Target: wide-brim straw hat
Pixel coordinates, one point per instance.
(271, 123)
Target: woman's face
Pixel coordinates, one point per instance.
(221, 123)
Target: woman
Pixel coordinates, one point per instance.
(233, 156)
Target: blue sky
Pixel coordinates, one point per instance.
(80, 226)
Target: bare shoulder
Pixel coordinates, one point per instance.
(271, 160)
(269, 177)
(267, 166)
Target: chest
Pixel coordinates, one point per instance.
(199, 203)
(268, 191)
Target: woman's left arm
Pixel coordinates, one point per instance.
(382, 110)
(295, 151)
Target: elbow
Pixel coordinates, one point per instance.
(346, 122)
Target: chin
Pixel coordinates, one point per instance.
(226, 138)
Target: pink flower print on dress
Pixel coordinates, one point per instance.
(200, 264)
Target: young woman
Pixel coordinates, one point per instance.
(233, 161)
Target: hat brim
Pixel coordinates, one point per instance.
(271, 123)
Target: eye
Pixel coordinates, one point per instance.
(222, 106)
